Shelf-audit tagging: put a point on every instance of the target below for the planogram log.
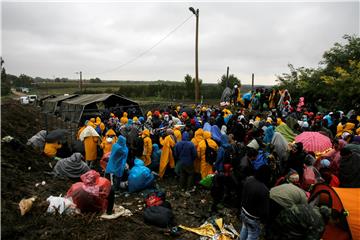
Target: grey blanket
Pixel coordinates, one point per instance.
(72, 167)
(38, 140)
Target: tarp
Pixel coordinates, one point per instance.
(226, 95)
(49, 105)
(287, 133)
(74, 109)
(350, 198)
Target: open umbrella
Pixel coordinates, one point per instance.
(56, 135)
(314, 141)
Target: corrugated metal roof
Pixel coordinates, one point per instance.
(91, 98)
(61, 98)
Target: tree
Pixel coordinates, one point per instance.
(336, 81)
(5, 83)
(95, 80)
(190, 85)
(233, 80)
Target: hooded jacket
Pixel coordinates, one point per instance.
(205, 168)
(148, 147)
(124, 119)
(118, 157)
(166, 154)
(105, 145)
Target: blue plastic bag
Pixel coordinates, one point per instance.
(261, 159)
(140, 177)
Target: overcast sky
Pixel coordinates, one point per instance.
(59, 39)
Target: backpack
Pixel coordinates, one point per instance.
(210, 154)
(159, 216)
(229, 155)
(155, 198)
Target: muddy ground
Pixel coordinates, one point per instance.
(18, 182)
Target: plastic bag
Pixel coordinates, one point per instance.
(140, 177)
(25, 205)
(61, 205)
(207, 181)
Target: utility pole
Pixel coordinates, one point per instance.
(197, 90)
(227, 77)
(80, 81)
(252, 83)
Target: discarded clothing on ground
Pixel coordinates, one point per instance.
(119, 211)
(61, 205)
(227, 232)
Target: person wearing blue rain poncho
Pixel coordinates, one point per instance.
(155, 157)
(219, 164)
(207, 127)
(216, 133)
(269, 133)
(117, 161)
(140, 177)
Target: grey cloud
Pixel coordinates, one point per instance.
(47, 39)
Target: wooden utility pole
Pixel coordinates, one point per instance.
(80, 82)
(197, 89)
(227, 77)
(252, 83)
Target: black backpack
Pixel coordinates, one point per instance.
(159, 216)
(229, 154)
(210, 154)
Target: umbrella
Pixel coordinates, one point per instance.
(56, 135)
(314, 141)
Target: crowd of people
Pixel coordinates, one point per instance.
(251, 157)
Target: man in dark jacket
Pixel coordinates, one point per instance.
(349, 169)
(255, 203)
(185, 154)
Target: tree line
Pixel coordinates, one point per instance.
(334, 84)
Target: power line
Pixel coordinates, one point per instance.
(146, 51)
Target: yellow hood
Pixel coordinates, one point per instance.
(207, 134)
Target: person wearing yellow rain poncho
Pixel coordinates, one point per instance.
(99, 125)
(90, 138)
(167, 156)
(108, 140)
(226, 112)
(199, 136)
(348, 127)
(124, 119)
(206, 168)
(177, 133)
(146, 157)
(51, 149)
(79, 131)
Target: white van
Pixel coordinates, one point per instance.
(24, 100)
(32, 98)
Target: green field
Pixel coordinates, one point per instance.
(156, 91)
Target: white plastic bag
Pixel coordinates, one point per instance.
(61, 205)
